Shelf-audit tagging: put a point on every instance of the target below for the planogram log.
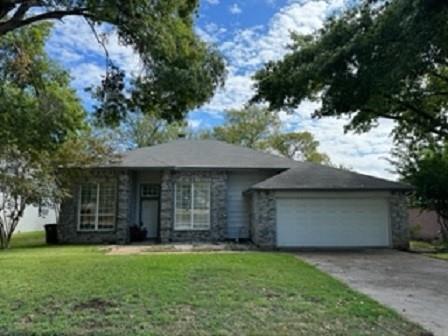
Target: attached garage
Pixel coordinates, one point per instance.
(332, 222)
(314, 206)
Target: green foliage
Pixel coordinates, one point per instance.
(427, 170)
(180, 72)
(377, 60)
(259, 128)
(248, 127)
(42, 127)
(298, 146)
(148, 130)
(38, 109)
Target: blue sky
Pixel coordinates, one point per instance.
(248, 33)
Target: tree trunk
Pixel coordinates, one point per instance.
(3, 241)
(443, 222)
(9, 224)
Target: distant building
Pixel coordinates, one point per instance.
(423, 224)
(35, 218)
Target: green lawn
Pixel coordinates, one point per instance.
(75, 290)
(28, 239)
(439, 251)
(441, 255)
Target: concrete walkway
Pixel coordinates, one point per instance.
(416, 286)
(146, 248)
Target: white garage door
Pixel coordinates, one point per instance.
(332, 222)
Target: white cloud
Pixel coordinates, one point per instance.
(235, 9)
(194, 124)
(366, 152)
(73, 43)
(248, 49)
(211, 32)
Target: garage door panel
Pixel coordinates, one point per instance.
(332, 222)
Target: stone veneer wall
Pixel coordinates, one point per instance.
(263, 219)
(218, 207)
(68, 217)
(399, 221)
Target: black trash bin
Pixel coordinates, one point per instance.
(51, 233)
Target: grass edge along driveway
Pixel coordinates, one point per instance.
(77, 290)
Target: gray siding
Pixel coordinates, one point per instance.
(238, 206)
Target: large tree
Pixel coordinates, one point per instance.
(248, 127)
(38, 109)
(180, 72)
(42, 127)
(380, 59)
(258, 128)
(427, 170)
(301, 146)
(146, 130)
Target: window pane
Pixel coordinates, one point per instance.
(87, 222)
(201, 212)
(196, 215)
(202, 195)
(106, 222)
(106, 211)
(150, 190)
(183, 217)
(87, 211)
(107, 199)
(88, 199)
(183, 206)
(201, 219)
(183, 196)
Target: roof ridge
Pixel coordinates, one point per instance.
(301, 178)
(203, 153)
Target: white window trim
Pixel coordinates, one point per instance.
(96, 229)
(192, 228)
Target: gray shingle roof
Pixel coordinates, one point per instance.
(201, 154)
(308, 176)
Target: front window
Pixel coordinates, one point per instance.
(192, 205)
(97, 207)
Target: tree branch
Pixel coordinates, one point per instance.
(12, 24)
(424, 115)
(6, 7)
(21, 11)
(440, 76)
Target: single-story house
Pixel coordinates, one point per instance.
(210, 191)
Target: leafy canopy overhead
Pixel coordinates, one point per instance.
(180, 72)
(377, 60)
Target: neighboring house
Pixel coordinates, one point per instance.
(424, 224)
(34, 219)
(209, 191)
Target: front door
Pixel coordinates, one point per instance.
(150, 217)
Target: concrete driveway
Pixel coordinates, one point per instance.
(416, 286)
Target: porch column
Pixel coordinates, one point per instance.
(123, 206)
(166, 207)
